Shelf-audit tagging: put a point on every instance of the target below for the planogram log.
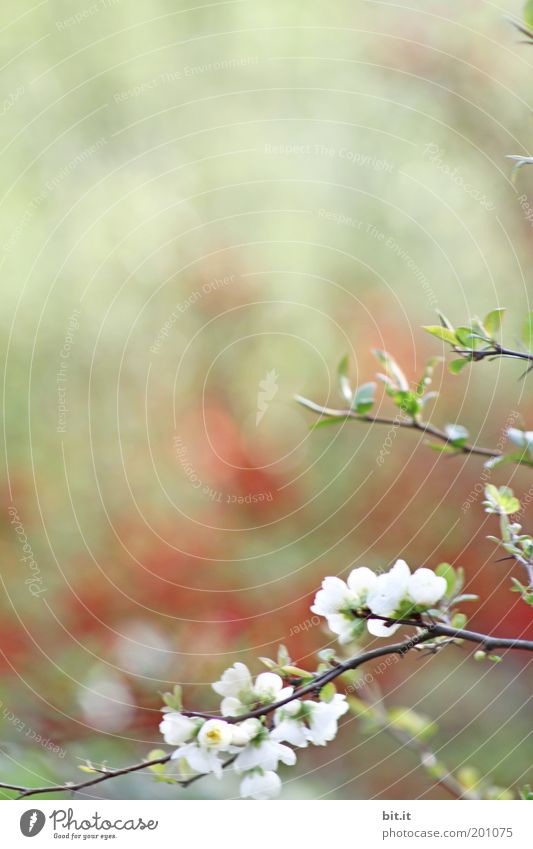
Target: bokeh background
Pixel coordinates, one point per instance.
(196, 199)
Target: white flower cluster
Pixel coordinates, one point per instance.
(396, 594)
(256, 746)
(255, 750)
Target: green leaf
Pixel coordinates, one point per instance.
(392, 370)
(467, 337)
(327, 655)
(469, 777)
(427, 375)
(408, 402)
(295, 672)
(526, 793)
(527, 330)
(528, 13)
(173, 699)
(444, 570)
(459, 620)
(414, 724)
(525, 592)
(493, 462)
(344, 381)
(517, 436)
(455, 366)
(457, 434)
(158, 769)
(363, 399)
(328, 692)
(444, 321)
(500, 500)
(283, 656)
(442, 333)
(442, 448)
(465, 597)
(331, 420)
(493, 321)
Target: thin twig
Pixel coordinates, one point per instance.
(409, 423)
(318, 682)
(430, 631)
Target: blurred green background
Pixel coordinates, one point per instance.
(198, 198)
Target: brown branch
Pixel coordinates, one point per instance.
(317, 683)
(106, 774)
(430, 631)
(495, 350)
(408, 422)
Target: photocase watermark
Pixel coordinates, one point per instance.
(267, 391)
(389, 242)
(435, 155)
(526, 208)
(34, 581)
(32, 735)
(49, 187)
(84, 14)
(210, 492)
(92, 826)
(8, 102)
(184, 73)
(61, 375)
(355, 157)
(485, 476)
(386, 448)
(306, 625)
(369, 677)
(183, 306)
(32, 822)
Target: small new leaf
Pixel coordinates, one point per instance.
(500, 500)
(444, 570)
(327, 693)
(457, 434)
(173, 700)
(344, 381)
(455, 366)
(363, 399)
(527, 331)
(442, 333)
(393, 370)
(493, 321)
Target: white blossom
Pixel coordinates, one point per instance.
(176, 728)
(361, 581)
(324, 717)
(266, 755)
(240, 692)
(290, 730)
(342, 625)
(204, 754)
(268, 686)
(336, 596)
(337, 600)
(426, 588)
(244, 732)
(389, 590)
(199, 759)
(235, 681)
(215, 734)
(265, 785)
(378, 628)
